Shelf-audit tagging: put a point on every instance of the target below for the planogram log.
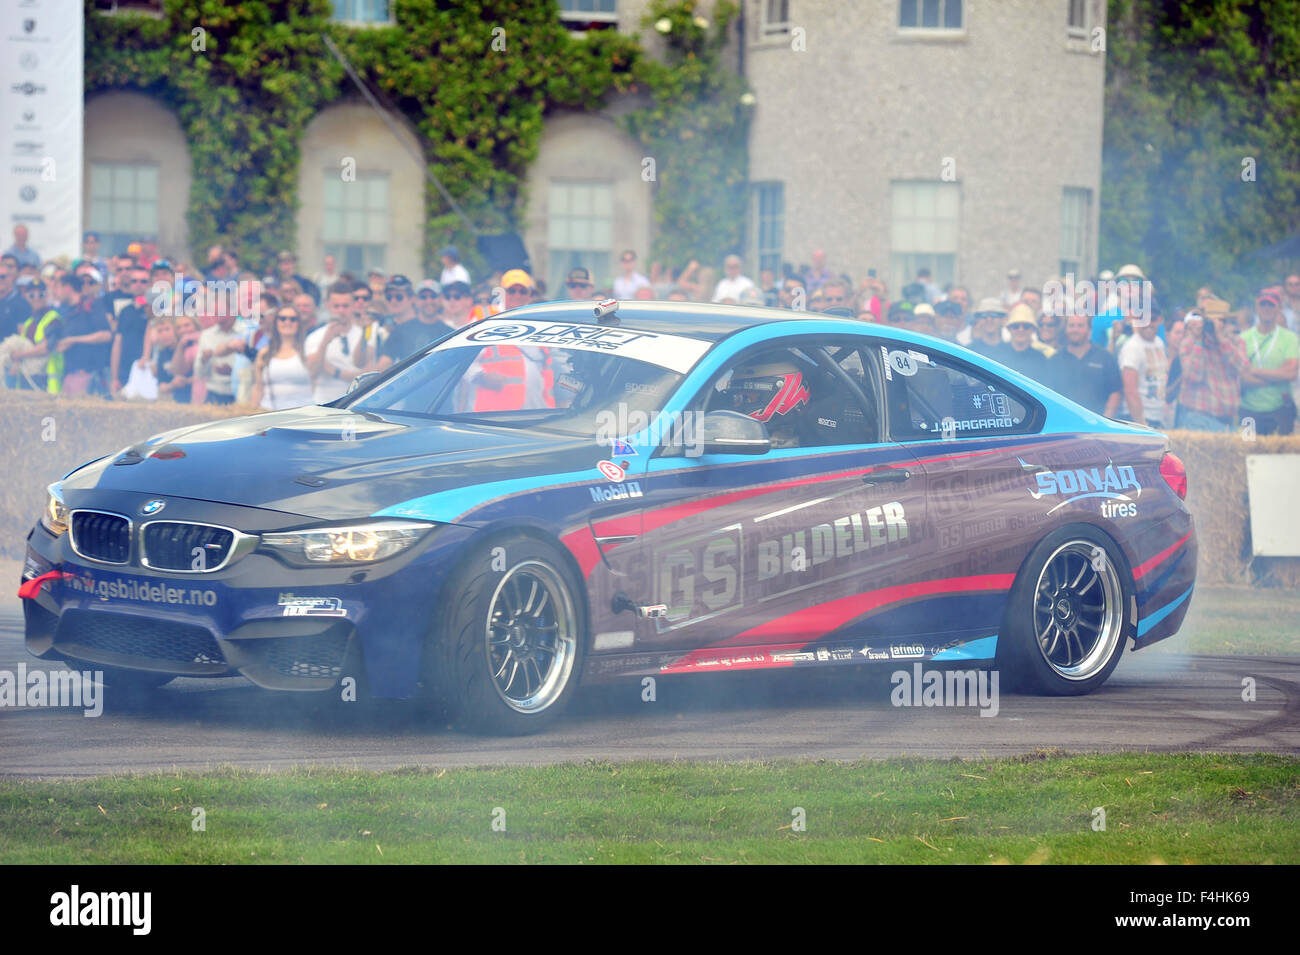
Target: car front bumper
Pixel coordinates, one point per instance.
(282, 627)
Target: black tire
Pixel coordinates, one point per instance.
(1069, 614)
(131, 681)
(480, 673)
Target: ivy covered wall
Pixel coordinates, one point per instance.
(476, 79)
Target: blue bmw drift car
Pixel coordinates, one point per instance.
(558, 494)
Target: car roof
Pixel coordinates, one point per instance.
(701, 320)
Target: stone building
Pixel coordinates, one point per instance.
(959, 135)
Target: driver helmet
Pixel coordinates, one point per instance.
(768, 390)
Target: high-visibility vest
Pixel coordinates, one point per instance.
(509, 361)
(54, 361)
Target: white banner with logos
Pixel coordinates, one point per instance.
(41, 96)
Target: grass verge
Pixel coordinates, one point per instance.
(1174, 808)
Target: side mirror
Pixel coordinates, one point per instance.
(362, 380)
(730, 432)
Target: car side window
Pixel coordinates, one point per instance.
(931, 395)
(801, 401)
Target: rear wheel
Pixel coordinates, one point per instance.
(1066, 621)
(505, 655)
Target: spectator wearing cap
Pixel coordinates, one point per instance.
(426, 326)
(732, 284)
(399, 300)
(626, 284)
(898, 313)
(85, 340)
(1011, 294)
(1083, 372)
(1274, 355)
(517, 288)
(33, 360)
(20, 250)
(986, 332)
(452, 269)
(948, 320)
(579, 285)
(921, 319)
(129, 334)
(457, 302)
(1213, 359)
(286, 267)
(1144, 369)
(428, 300)
(1047, 339)
(1020, 353)
(1120, 309)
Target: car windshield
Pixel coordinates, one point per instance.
(572, 390)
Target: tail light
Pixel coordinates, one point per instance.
(1175, 475)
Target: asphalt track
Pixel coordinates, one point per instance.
(1154, 702)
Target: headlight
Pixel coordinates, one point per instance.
(55, 517)
(346, 544)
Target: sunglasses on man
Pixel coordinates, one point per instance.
(519, 290)
(455, 295)
(395, 297)
(578, 285)
(428, 296)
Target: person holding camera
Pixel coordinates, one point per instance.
(1213, 360)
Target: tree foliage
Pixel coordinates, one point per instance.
(1201, 154)
(475, 80)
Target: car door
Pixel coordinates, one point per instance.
(787, 547)
(974, 435)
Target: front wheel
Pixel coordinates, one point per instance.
(506, 652)
(1066, 621)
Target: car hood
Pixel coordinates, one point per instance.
(328, 463)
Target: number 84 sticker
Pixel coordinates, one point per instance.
(902, 362)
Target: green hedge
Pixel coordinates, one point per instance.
(246, 78)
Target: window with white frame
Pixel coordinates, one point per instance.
(774, 19)
(580, 230)
(356, 221)
(923, 231)
(123, 204)
(1077, 19)
(769, 225)
(362, 11)
(1076, 215)
(588, 14)
(930, 15)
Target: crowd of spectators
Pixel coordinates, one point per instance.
(138, 326)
